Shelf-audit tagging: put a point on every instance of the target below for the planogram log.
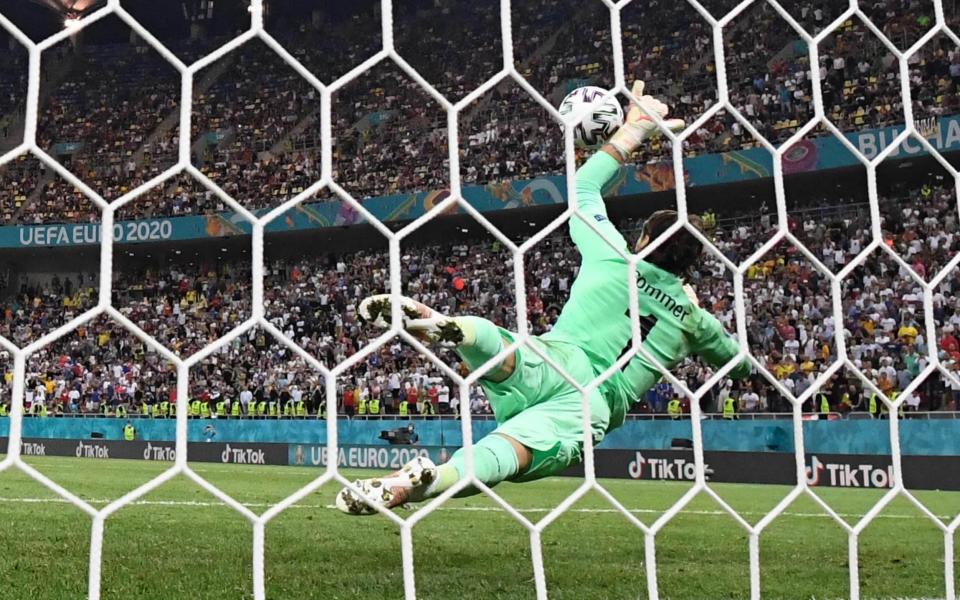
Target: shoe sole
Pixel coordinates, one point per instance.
(352, 504)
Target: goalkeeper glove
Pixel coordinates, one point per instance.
(638, 125)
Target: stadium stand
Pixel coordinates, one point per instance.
(313, 299)
(256, 131)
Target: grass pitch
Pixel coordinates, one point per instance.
(180, 542)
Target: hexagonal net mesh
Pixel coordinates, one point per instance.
(453, 110)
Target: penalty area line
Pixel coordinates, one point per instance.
(479, 509)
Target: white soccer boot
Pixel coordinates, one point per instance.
(420, 320)
(409, 484)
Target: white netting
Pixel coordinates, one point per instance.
(509, 71)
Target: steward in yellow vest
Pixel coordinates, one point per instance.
(373, 406)
(129, 433)
(674, 409)
(824, 404)
(729, 409)
(362, 407)
(235, 408)
(404, 408)
(883, 407)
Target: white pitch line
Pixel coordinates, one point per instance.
(708, 513)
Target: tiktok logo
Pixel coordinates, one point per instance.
(635, 468)
(671, 469)
(814, 470)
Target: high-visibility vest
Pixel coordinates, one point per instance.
(261, 408)
(300, 408)
(195, 408)
(235, 408)
(154, 411)
(374, 406)
(204, 410)
(674, 409)
(104, 408)
(288, 409)
(362, 407)
(873, 405)
(43, 409)
(121, 411)
(221, 409)
(824, 403)
(274, 409)
(3, 410)
(322, 410)
(729, 408)
(129, 433)
(428, 408)
(164, 409)
(893, 398)
(404, 408)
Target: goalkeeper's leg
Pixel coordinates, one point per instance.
(496, 458)
(540, 441)
(540, 413)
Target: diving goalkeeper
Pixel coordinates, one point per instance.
(539, 414)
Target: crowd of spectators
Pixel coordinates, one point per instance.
(99, 118)
(255, 127)
(313, 301)
(13, 85)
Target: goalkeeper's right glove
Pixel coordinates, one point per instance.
(638, 125)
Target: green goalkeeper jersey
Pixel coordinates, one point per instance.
(597, 315)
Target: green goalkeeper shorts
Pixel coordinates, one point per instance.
(540, 409)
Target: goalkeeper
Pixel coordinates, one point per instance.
(539, 414)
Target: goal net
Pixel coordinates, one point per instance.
(808, 109)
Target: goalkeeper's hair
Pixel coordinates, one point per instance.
(678, 253)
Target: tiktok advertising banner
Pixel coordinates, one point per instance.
(822, 470)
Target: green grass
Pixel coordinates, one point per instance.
(179, 542)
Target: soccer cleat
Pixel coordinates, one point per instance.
(409, 484)
(376, 310)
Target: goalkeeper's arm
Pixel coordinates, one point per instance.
(602, 167)
(714, 345)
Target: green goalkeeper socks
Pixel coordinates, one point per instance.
(494, 460)
(482, 341)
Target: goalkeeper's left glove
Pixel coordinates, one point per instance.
(638, 125)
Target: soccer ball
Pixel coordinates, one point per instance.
(599, 123)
